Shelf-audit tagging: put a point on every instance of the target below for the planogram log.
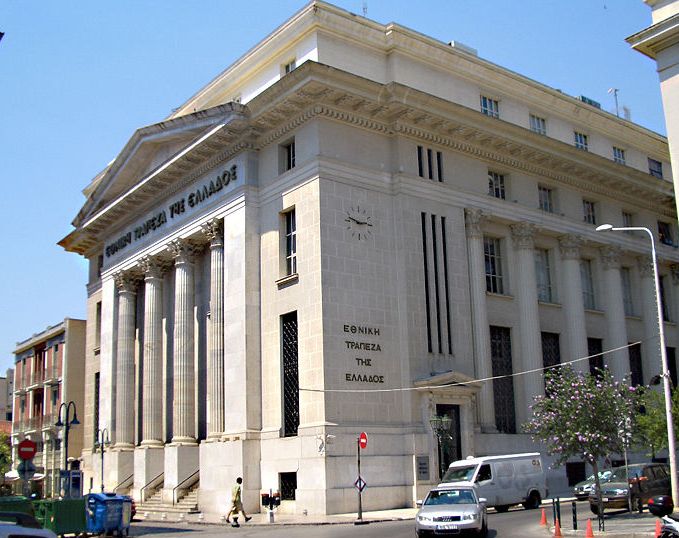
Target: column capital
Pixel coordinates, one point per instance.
(569, 245)
(126, 281)
(610, 256)
(153, 267)
(182, 250)
(523, 235)
(214, 231)
(474, 218)
(645, 266)
(674, 271)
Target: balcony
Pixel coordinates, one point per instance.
(51, 375)
(37, 377)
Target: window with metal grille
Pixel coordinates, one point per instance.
(95, 422)
(496, 185)
(551, 352)
(290, 243)
(503, 388)
(635, 368)
(287, 485)
(665, 233)
(655, 168)
(490, 107)
(664, 303)
(546, 198)
(596, 359)
(493, 259)
(538, 125)
(290, 374)
(588, 298)
(589, 211)
(581, 140)
(672, 364)
(543, 275)
(619, 155)
(626, 279)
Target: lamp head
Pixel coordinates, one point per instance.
(604, 227)
(74, 420)
(58, 423)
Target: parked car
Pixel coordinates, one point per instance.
(641, 482)
(452, 509)
(18, 524)
(582, 489)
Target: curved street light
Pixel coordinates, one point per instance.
(66, 424)
(667, 389)
(102, 442)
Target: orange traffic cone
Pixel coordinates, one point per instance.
(543, 519)
(557, 529)
(658, 528)
(588, 529)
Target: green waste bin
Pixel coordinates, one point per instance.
(16, 503)
(63, 516)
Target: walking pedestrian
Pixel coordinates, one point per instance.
(236, 504)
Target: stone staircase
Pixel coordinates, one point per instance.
(154, 508)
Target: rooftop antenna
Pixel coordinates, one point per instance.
(614, 91)
(365, 9)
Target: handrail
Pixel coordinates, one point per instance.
(174, 489)
(148, 484)
(123, 483)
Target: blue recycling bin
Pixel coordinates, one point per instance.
(107, 513)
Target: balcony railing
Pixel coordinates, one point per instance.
(37, 377)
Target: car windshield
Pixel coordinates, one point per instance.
(450, 496)
(457, 474)
(619, 474)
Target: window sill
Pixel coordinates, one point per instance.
(287, 280)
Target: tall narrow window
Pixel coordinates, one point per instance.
(287, 486)
(446, 283)
(551, 352)
(626, 280)
(664, 303)
(97, 327)
(490, 107)
(546, 198)
(665, 233)
(434, 242)
(420, 161)
(596, 359)
(287, 156)
(619, 155)
(543, 275)
(672, 364)
(655, 168)
(493, 260)
(290, 374)
(587, 284)
(538, 125)
(627, 220)
(430, 163)
(636, 371)
(581, 140)
(290, 243)
(496, 185)
(589, 211)
(439, 165)
(503, 386)
(425, 262)
(95, 422)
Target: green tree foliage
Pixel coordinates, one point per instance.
(582, 415)
(652, 424)
(5, 454)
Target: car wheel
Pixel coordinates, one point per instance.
(533, 501)
(502, 508)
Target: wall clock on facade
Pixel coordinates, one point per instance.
(359, 223)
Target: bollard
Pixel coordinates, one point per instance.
(554, 511)
(575, 515)
(558, 509)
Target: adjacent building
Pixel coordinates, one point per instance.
(48, 371)
(356, 227)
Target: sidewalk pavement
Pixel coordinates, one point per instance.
(617, 524)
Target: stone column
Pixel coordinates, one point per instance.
(127, 294)
(674, 271)
(528, 385)
(184, 405)
(152, 388)
(573, 305)
(650, 347)
(614, 305)
(480, 329)
(215, 365)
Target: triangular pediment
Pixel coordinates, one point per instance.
(448, 379)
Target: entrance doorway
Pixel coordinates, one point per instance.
(449, 443)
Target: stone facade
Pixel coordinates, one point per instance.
(333, 237)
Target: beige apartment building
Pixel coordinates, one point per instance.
(356, 227)
(49, 370)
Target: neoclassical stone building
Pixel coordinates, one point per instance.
(353, 228)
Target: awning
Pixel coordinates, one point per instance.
(13, 475)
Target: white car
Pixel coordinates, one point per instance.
(17, 524)
(452, 509)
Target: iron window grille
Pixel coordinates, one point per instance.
(290, 374)
(503, 388)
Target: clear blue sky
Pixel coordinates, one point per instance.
(78, 77)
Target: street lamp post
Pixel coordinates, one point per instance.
(102, 442)
(66, 424)
(663, 353)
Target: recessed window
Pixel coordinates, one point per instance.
(289, 66)
(581, 141)
(503, 384)
(289, 353)
(287, 156)
(496, 185)
(626, 280)
(664, 302)
(589, 211)
(290, 242)
(627, 219)
(546, 198)
(587, 284)
(538, 125)
(426, 166)
(543, 276)
(288, 486)
(655, 168)
(619, 155)
(665, 233)
(490, 107)
(492, 251)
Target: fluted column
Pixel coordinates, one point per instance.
(480, 329)
(183, 404)
(616, 325)
(152, 389)
(573, 305)
(529, 385)
(215, 365)
(650, 347)
(127, 295)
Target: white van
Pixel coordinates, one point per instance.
(503, 480)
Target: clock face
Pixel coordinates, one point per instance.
(359, 223)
